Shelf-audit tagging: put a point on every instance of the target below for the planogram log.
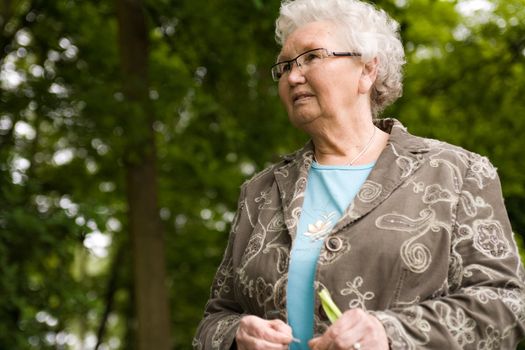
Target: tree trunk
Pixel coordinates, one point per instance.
(151, 295)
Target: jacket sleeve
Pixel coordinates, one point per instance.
(484, 306)
(222, 313)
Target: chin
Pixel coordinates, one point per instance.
(302, 120)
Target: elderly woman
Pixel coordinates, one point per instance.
(409, 235)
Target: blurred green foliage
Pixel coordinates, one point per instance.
(62, 201)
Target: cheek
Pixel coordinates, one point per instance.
(284, 94)
(326, 91)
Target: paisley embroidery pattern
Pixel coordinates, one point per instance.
(224, 274)
(482, 294)
(406, 164)
(360, 298)
(434, 193)
(415, 318)
(255, 244)
(399, 338)
(276, 223)
(515, 301)
(470, 204)
(418, 186)
(223, 327)
(490, 239)
(279, 294)
(294, 220)
(491, 340)
(370, 191)
(281, 245)
(481, 170)
(415, 255)
(264, 199)
(460, 326)
(263, 291)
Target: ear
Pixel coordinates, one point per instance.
(368, 76)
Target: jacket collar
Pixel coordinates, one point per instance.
(402, 156)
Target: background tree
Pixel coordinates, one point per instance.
(68, 139)
(151, 295)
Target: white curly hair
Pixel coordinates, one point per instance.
(364, 28)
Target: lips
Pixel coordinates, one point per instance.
(301, 95)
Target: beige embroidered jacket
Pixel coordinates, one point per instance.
(426, 246)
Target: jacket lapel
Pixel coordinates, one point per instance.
(398, 161)
(291, 181)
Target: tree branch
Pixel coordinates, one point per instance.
(110, 295)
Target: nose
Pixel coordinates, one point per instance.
(296, 75)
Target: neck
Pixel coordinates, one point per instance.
(355, 144)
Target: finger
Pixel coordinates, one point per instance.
(274, 331)
(314, 343)
(350, 321)
(347, 339)
(264, 344)
(362, 323)
(253, 343)
(281, 326)
(368, 331)
(282, 335)
(258, 328)
(347, 330)
(321, 342)
(373, 334)
(350, 318)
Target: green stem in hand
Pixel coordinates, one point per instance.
(329, 307)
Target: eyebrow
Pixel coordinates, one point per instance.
(309, 46)
(281, 58)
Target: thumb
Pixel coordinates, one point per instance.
(313, 343)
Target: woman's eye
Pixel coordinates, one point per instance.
(287, 67)
(311, 57)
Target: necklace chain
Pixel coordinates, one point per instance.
(364, 148)
(367, 146)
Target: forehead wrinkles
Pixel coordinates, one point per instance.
(304, 39)
(284, 55)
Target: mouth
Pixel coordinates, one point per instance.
(301, 96)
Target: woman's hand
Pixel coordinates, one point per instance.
(257, 333)
(355, 329)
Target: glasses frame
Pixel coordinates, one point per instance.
(276, 76)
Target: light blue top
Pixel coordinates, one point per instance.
(329, 191)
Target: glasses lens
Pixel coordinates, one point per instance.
(277, 72)
(310, 57)
(306, 58)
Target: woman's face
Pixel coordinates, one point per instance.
(329, 89)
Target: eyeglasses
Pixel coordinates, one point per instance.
(306, 59)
